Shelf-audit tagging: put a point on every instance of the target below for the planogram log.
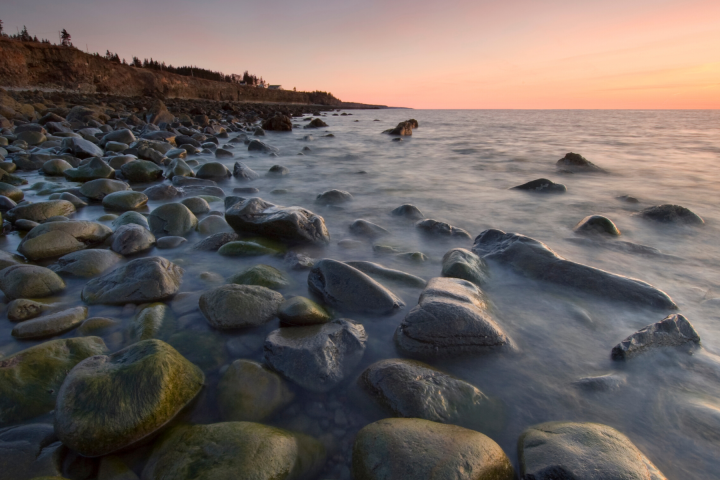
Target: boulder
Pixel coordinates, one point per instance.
(55, 239)
(229, 307)
(130, 239)
(258, 146)
(536, 260)
(451, 318)
(140, 388)
(162, 192)
(40, 211)
(173, 219)
(244, 173)
(462, 263)
(10, 179)
(250, 392)
(93, 170)
(673, 331)
(86, 263)
(333, 197)
(363, 228)
(542, 185)
(29, 281)
(141, 171)
(316, 357)
(262, 275)
(576, 163)
(213, 171)
(596, 225)
(100, 188)
(30, 452)
(581, 450)
(143, 280)
(81, 148)
(131, 217)
(408, 448)
(50, 325)
(125, 200)
(408, 211)
(433, 227)
(350, 290)
(178, 168)
(671, 214)
(301, 312)
(278, 123)
(288, 224)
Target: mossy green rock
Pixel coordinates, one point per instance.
(110, 402)
(414, 448)
(29, 281)
(125, 200)
(240, 450)
(248, 391)
(242, 248)
(172, 219)
(41, 211)
(30, 379)
(141, 171)
(204, 349)
(54, 239)
(464, 264)
(263, 275)
(154, 321)
(239, 306)
(24, 309)
(301, 311)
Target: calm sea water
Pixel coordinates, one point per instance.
(457, 167)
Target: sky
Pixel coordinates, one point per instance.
(450, 54)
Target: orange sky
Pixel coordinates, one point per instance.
(422, 54)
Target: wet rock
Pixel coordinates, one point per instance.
(170, 242)
(333, 197)
(162, 192)
(86, 263)
(350, 290)
(278, 123)
(256, 451)
(581, 450)
(289, 224)
(41, 211)
(673, 331)
(81, 148)
(451, 318)
(223, 153)
(30, 452)
(671, 214)
(278, 171)
(11, 192)
(98, 189)
(192, 182)
(596, 224)
(6, 204)
(240, 248)
(93, 170)
(178, 168)
(55, 167)
(204, 349)
(316, 357)
(131, 218)
(388, 274)
(433, 227)
(173, 219)
(196, 205)
(8, 260)
(462, 263)
(124, 201)
(29, 281)
(248, 391)
(130, 239)
(408, 211)
(576, 163)
(534, 259)
(50, 325)
(213, 224)
(30, 379)
(239, 306)
(215, 241)
(213, 171)
(10, 179)
(154, 321)
(298, 261)
(301, 311)
(243, 172)
(60, 238)
(542, 185)
(258, 146)
(201, 190)
(122, 136)
(602, 383)
(141, 171)
(142, 280)
(141, 387)
(23, 309)
(23, 225)
(414, 448)
(72, 199)
(316, 123)
(363, 228)
(262, 275)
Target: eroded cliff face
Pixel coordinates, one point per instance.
(38, 65)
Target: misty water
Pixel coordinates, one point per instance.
(458, 167)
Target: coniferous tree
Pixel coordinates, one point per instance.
(66, 39)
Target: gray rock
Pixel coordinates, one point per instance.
(534, 259)
(30, 451)
(178, 168)
(433, 227)
(673, 331)
(72, 199)
(576, 163)
(173, 219)
(130, 239)
(581, 450)
(86, 263)
(243, 172)
(123, 136)
(54, 239)
(596, 224)
(124, 201)
(462, 263)
(29, 281)
(451, 318)
(141, 171)
(192, 181)
(350, 290)
(316, 357)
(408, 211)
(213, 171)
(50, 325)
(98, 189)
(170, 242)
(363, 228)
(41, 211)
(131, 218)
(81, 148)
(278, 171)
(239, 306)
(55, 167)
(542, 185)
(93, 170)
(601, 383)
(301, 311)
(298, 261)
(671, 214)
(383, 273)
(258, 146)
(215, 241)
(24, 309)
(162, 192)
(196, 205)
(213, 224)
(333, 197)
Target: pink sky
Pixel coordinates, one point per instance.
(421, 54)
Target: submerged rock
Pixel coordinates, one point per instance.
(671, 214)
(542, 185)
(596, 224)
(536, 260)
(674, 330)
(301, 311)
(29, 281)
(433, 227)
(364, 228)
(576, 163)
(408, 211)
(462, 263)
(333, 197)
(239, 306)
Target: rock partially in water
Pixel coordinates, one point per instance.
(601, 383)
(249, 392)
(130, 239)
(239, 450)
(173, 219)
(279, 123)
(86, 263)
(316, 123)
(41, 211)
(388, 274)
(215, 241)
(363, 228)
(542, 185)
(301, 312)
(29, 281)
(316, 357)
(131, 218)
(124, 201)
(408, 448)
(576, 163)
(141, 171)
(536, 260)
(230, 307)
(81, 148)
(143, 280)
(30, 379)
(348, 289)
(24, 309)
(333, 197)
(55, 167)
(671, 214)
(408, 211)
(60, 238)
(50, 325)
(433, 227)
(581, 450)
(288, 224)
(464, 264)
(100, 188)
(141, 388)
(596, 225)
(12, 192)
(673, 331)
(451, 318)
(196, 205)
(262, 275)
(30, 452)
(298, 261)
(241, 248)
(162, 192)
(178, 168)
(213, 224)
(403, 128)
(154, 321)
(93, 170)
(213, 171)
(244, 173)
(258, 146)
(278, 171)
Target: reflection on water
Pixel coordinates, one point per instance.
(458, 167)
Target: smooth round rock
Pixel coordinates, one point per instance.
(130, 239)
(263, 275)
(301, 311)
(11, 191)
(170, 242)
(40, 211)
(239, 306)
(408, 211)
(131, 218)
(86, 263)
(596, 224)
(672, 214)
(141, 171)
(162, 192)
(173, 219)
(333, 197)
(196, 205)
(124, 201)
(50, 325)
(213, 171)
(464, 264)
(58, 238)
(98, 189)
(55, 167)
(213, 224)
(24, 309)
(29, 281)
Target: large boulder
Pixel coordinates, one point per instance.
(55, 239)
(673, 331)
(173, 219)
(41, 211)
(576, 163)
(451, 318)
(238, 450)
(30, 452)
(93, 170)
(141, 171)
(536, 260)
(239, 306)
(408, 448)
(671, 214)
(30, 379)
(316, 357)
(51, 324)
(142, 280)
(348, 289)
(29, 281)
(289, 224)
(100, 188)
(462, 263)
(125, 200)
(86, 263)
(110, 402)
(581, 450)
(278, 123)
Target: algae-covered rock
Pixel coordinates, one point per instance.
(50, 325)
(29, 281)
(239, 306)
(301, 311)
(263, 275)
(111, 402)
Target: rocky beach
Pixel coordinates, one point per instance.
(221, 289)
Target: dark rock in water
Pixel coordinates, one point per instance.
(93, 170)
(131, 217)
(178, 168)
(316, 357)
(262, 275)
(462, 263)
(143, 280)
(24, 309)
(81, 148)
(389, 274)
(576, 163)
(596, 224)
(30, 452)
(534, 259)
(413, 448)
(408, 211)
(243, 172)
(170, 242)
(197, 190)
(403, 128)
(132, 238)
(333, 197)
(602, 383)
(232, 200)
(673, 331)
(433, 227)
(624, 247)
(628, 199)
(570, 450)
(278, 171)
(350, 290)
(298, 261)
(162, 192)
(278, 123)
(141, 171)
(288, 224)
(364, 228)
(124, 201)
(173, 219)
(232, 306)
(412, 389)
(451, 318)
(316, 123)
(213, 171)
(223, 153)
(671, 214)
(246, 190)
(215, 241)
(301, 311)
(101, 187)
(29, 281)
(234, 450)
(258, 146)
(542, 185)
(192, 181)
(141, 387)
